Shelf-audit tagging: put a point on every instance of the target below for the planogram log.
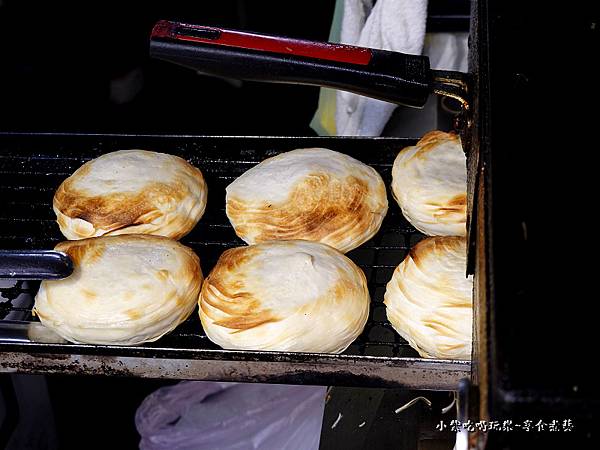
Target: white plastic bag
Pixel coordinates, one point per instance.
(202, 415)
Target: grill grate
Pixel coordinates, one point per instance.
(32, 167)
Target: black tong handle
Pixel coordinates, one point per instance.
(388, 76)
(34, 264)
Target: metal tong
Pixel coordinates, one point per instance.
(34, 264)
(389, 76)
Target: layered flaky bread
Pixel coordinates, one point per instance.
(314, 194)
(131, 192)
(124, 290)
(284, 295)
(429, 182)
(429, 299)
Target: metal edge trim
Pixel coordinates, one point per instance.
(429, 375)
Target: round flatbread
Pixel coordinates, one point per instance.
(298, 296)
(429, 182)
(313, 194)
(429, 299)
(131, 192)
(125, 290)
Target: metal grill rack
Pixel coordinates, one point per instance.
(32, 167)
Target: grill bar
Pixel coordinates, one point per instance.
(32, 167)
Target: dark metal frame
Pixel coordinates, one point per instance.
(532, 314)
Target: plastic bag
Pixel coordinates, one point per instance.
(198, 415)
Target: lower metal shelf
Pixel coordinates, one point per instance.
(248, 366)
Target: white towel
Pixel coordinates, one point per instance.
(397, 25)
(447, 51)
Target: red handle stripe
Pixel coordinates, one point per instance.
(251, 41)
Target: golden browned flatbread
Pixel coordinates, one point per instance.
(131, 192)
(313, 194)
(429, 182)
(284, 295)
(429, 299)
(125, 290)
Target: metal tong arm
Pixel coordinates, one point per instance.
(34, 264)
(389, 76)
